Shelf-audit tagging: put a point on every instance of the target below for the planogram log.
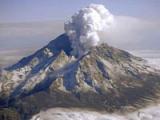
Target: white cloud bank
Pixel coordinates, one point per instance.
(150, 113)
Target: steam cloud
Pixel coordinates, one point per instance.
(83, 27)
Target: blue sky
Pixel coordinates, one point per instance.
(42, 10)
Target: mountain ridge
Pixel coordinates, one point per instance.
(103, 78)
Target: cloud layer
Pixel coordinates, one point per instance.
(133, 33)
(148, 113)
(127, 33)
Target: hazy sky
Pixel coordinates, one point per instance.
(33, 23)
(38, 10)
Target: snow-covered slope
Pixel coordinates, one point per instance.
(103, 78)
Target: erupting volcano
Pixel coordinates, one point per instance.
(78, 70)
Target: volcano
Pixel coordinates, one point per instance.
(77, 70)
(104, 78)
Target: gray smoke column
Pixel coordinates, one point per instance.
(83, 27)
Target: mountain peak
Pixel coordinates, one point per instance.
(103, 78)
(95, 71)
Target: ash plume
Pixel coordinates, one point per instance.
(83, 27)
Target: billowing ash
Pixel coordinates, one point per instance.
(84, 26)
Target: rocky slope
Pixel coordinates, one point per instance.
(104, 78)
